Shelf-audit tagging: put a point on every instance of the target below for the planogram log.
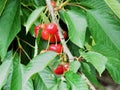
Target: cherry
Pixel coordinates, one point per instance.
(65, 34)
(52, 28)
(45, 34)
(59, 70)
(66, 67)
(53, 3)
(36, 30)
(56, 47)
(38, 27)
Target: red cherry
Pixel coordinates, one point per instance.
(36, 30)
(52, 28)
(59, 70)
(66, 67)
(52, 39)
(65, 34)
(56, 47)
(53, 3)
(45, 34)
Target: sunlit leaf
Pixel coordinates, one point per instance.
(33, 17)
(77, 25)
(115, 6)
(4, 69)
(96, 59)
(36, 65)
(76, 82)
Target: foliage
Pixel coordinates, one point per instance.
(93, 28)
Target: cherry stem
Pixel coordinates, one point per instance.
(48, 44)
(77, 5)
(55, 39)
(27, 43)
(20, 47)
(63, 4)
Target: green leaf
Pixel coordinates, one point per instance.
(29, 85)
(39, 83)
(90, 72)
(76, 82)
(115, 6)
(8, 81)
(16, 82)
(113, 67)
(2, 5)
(106, 51)
(37, 64)
(40, 2)
(33, 17)
(55, 87)
(63, 86)
(104, 29)
(74, 66)
(96, 59)
(48, 77)
(4, 69)
(9, 25)
(95, 4)
(77, 25)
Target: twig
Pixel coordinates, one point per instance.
(66, 50)
(88, 82)
(54, 20)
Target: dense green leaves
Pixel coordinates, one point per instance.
(33, 17)
(9, 25)
(102, 52)
(37, 64)
(115, 6)
(98, 60)
(2, 5)
(77, 25)
(113, 67)
(76, 82)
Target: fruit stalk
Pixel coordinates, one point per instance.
(54, 20)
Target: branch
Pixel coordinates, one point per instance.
(88, 82)
(66, 50)
(54, 19)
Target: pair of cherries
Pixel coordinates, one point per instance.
(61, 69)
(50, 33)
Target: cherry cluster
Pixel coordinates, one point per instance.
(50, 33)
